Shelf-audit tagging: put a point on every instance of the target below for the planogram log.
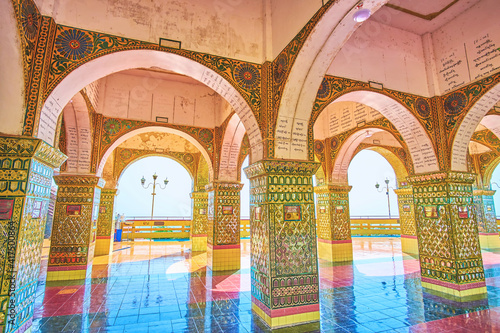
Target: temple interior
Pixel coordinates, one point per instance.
(284, 93)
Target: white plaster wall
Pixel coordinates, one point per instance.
(162, 141)
(229, 28)
(93, 91)
(384, 54)
(288, 18)
(144, 98)
(382, 138)
(12, 108)
(459, 45)
(340, 117)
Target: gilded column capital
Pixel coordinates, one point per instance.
(108, 192)
(79, 180)
(442, 177)
(224, 186)
(19, 146)
(332, 188)
(279, 167)
(484, 192)
(198, 195)
(404, 191)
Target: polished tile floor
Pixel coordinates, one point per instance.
(163, 287)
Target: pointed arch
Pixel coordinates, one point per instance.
(160, 129)
(419, 144)
(123, 60)
(122, 171)
(492, 122)
(331, 32)
(346, 153)
(398, 166)
(468, 126)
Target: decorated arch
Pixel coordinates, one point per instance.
(107, 64)
(419, 144)
(160, 129)
(456, 103)
(308, 68)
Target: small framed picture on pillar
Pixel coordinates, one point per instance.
(227, 210)
(202, 211)
(322, 209)
(74, 210)
(463, 212)
(431, 212)
(102, 209)
(6, 206)
(291, 213)
(488, 208)
(406, 208)
(339, 209)
(257, 213)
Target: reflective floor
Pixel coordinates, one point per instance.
(163, 287)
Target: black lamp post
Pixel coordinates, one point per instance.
(154, 183)
(387, 187)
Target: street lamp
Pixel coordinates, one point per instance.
(154, 183)
(387, 187)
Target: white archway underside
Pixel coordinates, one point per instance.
(468, 126)
(419, 145)
(346, 153)
(309, 69)
(233, 136)
(123, 60)
(150, 129)
(78, 135)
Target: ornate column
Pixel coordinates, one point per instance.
(74, 228)
(26, 168)
(284, 264)
(448, 239)
(409, 243)
(334, 225)
(487, 220)
(223, 226)
(199, 222)
(105, 225)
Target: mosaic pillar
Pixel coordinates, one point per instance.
(284, 264)
(487, 220)
(199, 222)
(448, 239)
(334, 225)
(223, 226)
(105, 225)
(26, 167)
(73, 238)
(409, 243)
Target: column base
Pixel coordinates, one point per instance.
(223, 257)
(103, 246)
(409, 244)
(335, 251)
(58, 273)
(286, 316)
(457, 292)
(489, 241)
(199, 243)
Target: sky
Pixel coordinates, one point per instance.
(495, 178)
(174, 201)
